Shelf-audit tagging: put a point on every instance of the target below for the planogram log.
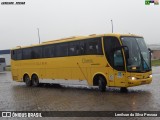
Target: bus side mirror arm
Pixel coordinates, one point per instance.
(150, 50)
(150, 54)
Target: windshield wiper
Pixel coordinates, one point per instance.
(143, 58)
(144, 61)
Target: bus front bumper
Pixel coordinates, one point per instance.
(139, 82)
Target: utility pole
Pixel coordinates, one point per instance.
(112, 25)
(39, 36)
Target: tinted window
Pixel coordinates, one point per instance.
(74, 48)
(118, 60)
(36, 52)
(61, 50)
(94, 46)
(13, 54)
(48, 51)
(82, 47)
(19, 54)
(91, 46)
(110, 43)
(16, 54)
(27, 53)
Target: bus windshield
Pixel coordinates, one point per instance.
(139, 56)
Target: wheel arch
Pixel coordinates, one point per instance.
(34, 74)
(95, 78)
(25, 75)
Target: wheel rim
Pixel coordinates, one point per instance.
(100, 82)
(27, 80)
(35, 81)
(102, 86)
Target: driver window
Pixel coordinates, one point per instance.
(118, 60)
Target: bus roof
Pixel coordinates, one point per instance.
(77, 38)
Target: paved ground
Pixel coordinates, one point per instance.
(16, 96)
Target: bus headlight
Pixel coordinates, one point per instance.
(132, 78)
(150, 76)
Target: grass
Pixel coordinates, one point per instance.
(155, 62)
(8, 68)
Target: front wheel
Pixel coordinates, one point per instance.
(102, 84)
(27, 80)
(123, 89)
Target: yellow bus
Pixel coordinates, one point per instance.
(114, 60)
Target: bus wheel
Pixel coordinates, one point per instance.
(123, 89)
(102, 84)
(35, 81)
(27, 80)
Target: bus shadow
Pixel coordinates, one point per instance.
(64, 86)
(49, 85)
(93, 88)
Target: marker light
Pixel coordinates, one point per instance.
(132, 78)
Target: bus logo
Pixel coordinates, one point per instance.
(6, 114)
(148, 2)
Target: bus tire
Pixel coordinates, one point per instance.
(102, 84)
(27, 80)
(35, 80)
(123, 90)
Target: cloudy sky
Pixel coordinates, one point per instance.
(63, 18)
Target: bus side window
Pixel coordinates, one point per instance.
(52, 51)
(82, 47)
(13, 55)
(36, 52)
(73, 48)
(19, 54)
(91, 47)
(118, 59)
(48, 51)
(26, 53)
(94, 46)
(99, 46)
(61, 50)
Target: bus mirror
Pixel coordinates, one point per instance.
(150, 54)
(149, 50)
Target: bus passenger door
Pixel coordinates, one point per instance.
(113, 51)
(119, 68)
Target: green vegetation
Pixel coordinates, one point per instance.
(8, 68)
(155, 62)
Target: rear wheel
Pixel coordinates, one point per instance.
(35, 81)
(27, 80)
(102, 84)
